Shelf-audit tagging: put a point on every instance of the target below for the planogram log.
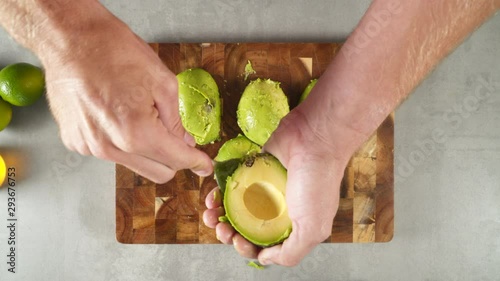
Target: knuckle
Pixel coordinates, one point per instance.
(100, 149)
(165, 177)
(129, 142)
(67, 142)
(323, 235)
(171, 84)
(83, 149)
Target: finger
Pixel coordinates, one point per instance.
(166, 99)
(176, 154)
(280, 144)
(213, 199)
(143, 166)
(99, 144)
(224, 233)
(245, 248)
(291, 252)
(189, 139)
(211, 216)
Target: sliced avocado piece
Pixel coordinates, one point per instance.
(223, 219)
(261, 107)
(199, 105)
(254, 200)
(307, 90)
(237, 147)
(249, 70)
(256, 264)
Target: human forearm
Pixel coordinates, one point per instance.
(56, 29)
(382, 62)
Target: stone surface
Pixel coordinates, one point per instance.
(447, 215)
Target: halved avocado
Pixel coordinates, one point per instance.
(307, 90)
(260, 109)
(199, 105)
(254, 200)
(237, 147)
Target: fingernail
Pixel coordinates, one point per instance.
(203, 173)
(266, 262)
(189, 139)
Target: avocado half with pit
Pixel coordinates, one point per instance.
(261, 107)
(199, 105)
(254, 200)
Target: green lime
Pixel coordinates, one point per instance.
(5, 114)
(21, 84)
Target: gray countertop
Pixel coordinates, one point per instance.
(447, 201)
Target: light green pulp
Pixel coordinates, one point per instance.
(260, 109)
(232, 215)
(199, 105)
(249, 69)
(237, 147)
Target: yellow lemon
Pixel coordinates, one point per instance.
(3, 170)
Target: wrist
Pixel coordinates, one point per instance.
(322, 139)
(72, 30)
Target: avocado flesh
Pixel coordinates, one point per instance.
(237, 147)
(199, 105)
(254, 200)
(261, 107)
(307, 90)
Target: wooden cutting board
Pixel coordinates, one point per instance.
(172, 213)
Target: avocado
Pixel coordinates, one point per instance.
(261, 107)
(254, 200)
(199, 105)
(237, 147)
(222, 170)
(307, 90)
(249, 70)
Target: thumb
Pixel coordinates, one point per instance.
(166, 99)
(291, 252)
(286, 138)
(167, 104)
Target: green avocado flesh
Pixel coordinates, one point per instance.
(254, 200)
(199, 105)
(308, 89)
(237, 147)
(260, 109)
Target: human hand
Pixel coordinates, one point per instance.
(113, 98)
(315, 170)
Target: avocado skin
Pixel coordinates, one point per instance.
(199, 105)
(222, 170)
(307, 90)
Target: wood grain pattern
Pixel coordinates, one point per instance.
(172, 212)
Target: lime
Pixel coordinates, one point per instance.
(21, 84)
(5, 114)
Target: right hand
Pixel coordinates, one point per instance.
(113, 98)
(315, 169)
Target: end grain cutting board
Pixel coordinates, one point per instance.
(172, 212)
